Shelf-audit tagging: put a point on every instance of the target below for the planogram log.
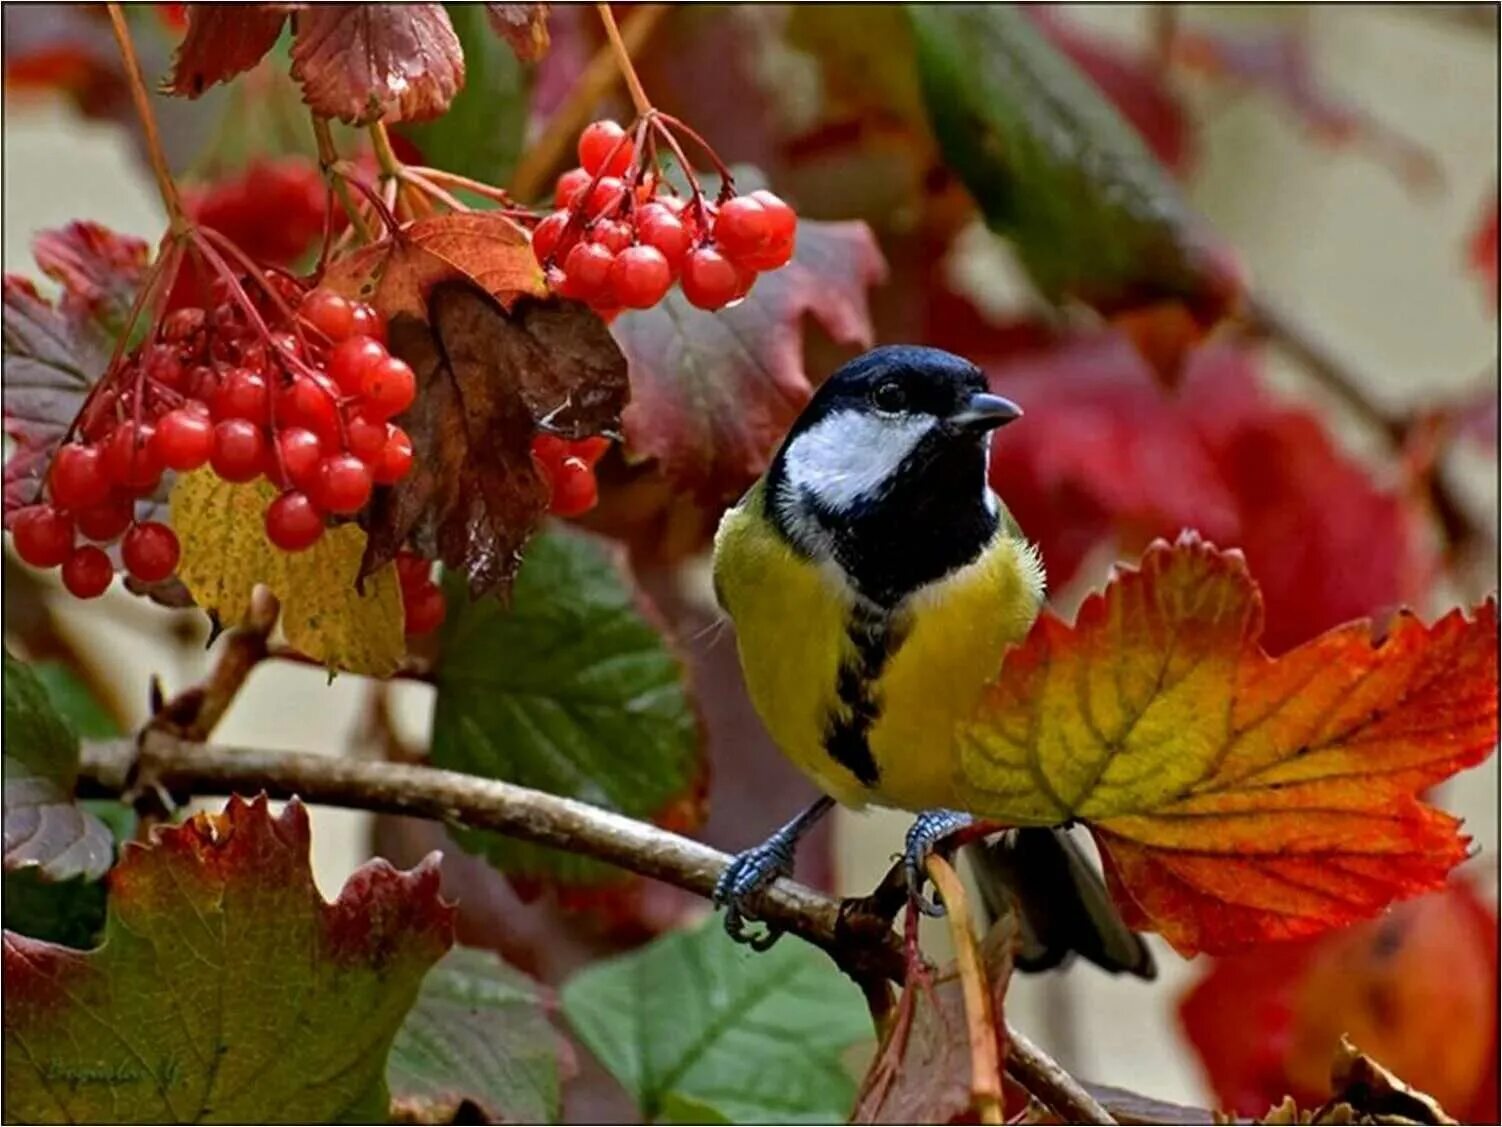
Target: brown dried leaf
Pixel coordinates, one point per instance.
(396, 273)
(377, 62)
(524, 26)
(223, 40)
(486, 378)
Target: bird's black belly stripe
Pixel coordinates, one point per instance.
(875, 639)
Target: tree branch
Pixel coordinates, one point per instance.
(861, 942)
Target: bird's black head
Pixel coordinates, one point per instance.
(885, 470)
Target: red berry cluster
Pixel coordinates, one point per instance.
(309, 410)
(422, 599)
(615, 241)
(570, 470)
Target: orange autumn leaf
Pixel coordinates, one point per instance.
(1236, 798)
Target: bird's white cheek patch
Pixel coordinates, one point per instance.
(851, 454)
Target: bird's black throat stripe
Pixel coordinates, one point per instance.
(874, 638)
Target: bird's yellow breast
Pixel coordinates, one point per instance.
(792, 619)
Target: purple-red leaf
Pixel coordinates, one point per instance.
(223, 40)
(524, 26)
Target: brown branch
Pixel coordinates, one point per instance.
(194, 713)
(863, 945)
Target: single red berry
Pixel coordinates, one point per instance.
(569, 183)
(549, 449)
(293, 523)
(183, 323)
(329, 313)
(150, 551)
(590, 450)
(396, 458)
(43, 535)
(640, 277)
(365, 438)
(588, 270)
(710, 280)
(412, 569)
(79, 478)
(603, 144)
(341, 485)
(239, 450)
(575, 490)
(165, 368)
(130, 456)
(743, 227)
(87, 572)
(184, 439)
(106, 520)
(244, 394)
(389, 389)
(658, 227)
(600, 199)
(782, 220)
(366, 322)
(548, 236)
(304, 402)
(613, 234)
(349, 362)
(423, 608)
(300, 451)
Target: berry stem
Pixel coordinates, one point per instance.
(328, 160)
(623, 60)
(391, 167)
(428, 188)
(171, 200)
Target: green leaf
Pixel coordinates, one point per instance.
(479, 1033)
(73, 699)
(69, 912)
(568, 690)
(695, 1025)
(44, 827)
(481, 134)
(226, 989)
(1051, 163)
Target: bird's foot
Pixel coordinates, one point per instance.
(749, 872)
(928, 829)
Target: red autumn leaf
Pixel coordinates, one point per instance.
(1236, 798)
(223, 40)
(1482, 251)
(218, 955)
(396, 273)
(487, 376)
(1108, 453)
(53, 355)
(524, 26)
(377, 62)
(713, 393)
(1135, 85)
(1416, 989)
(1278, 61)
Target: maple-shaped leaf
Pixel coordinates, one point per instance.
(225, 554)
(487, 377)
(377, 62)
(397, 273)
(713, 393)
(53, 354)
(44, 828)
(524, 26)
(1236, 798)
(1055, 169)
(223, 40)
(570, 690)
(225, 988)
(478, 1038)
(1417, 989)
(699, 1029)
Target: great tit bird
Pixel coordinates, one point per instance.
(875, 580)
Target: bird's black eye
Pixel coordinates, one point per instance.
(889, 397)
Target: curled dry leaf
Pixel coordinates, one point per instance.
(218, 955)
(524, 26)
(377, 62)
(487, 377)
(1236, 798)
(223, 40)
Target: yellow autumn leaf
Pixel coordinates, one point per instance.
(225, 553)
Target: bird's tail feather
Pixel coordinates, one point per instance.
(1061, 902)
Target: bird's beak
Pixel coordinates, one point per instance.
(985, 412)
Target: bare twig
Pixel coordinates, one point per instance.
(862, 944)
(980, 1021)
(194, 713)
(159, 168)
